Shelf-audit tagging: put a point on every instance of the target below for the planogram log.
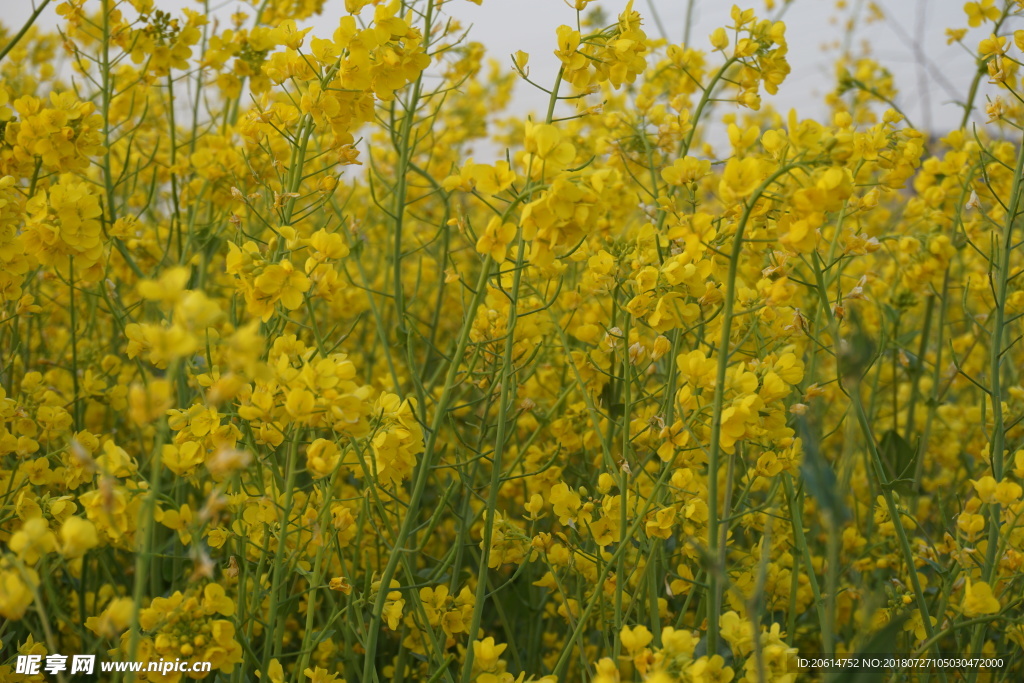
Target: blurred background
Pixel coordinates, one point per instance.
(906, 36)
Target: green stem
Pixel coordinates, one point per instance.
(76, 400)
(685, 143)
(405, 152)
(795, 501)
(24, 29)
(145, 524)
(715, 552)
(1000, 282)
(876, 462)
(316, 578)
(430, 454)
(275, 630)
(496, 465)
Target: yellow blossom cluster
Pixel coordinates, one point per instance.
(317, 364)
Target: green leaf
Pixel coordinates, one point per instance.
(899, 459)
(818, 476)
(881, 643)
(856, 351)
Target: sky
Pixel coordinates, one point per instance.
(911, 29)
(910, 41)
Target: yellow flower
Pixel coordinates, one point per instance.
(179, 520)
(16, 586)
(223, 651)
(318, 674)
(328, 246)
(115, 461)
(393, 609)
(719, 39)
(184, 458)
(113, 620)
(564, 501)
(677, 642)
(496, 238)
(319, 105)
(686, 171)
(575, 64)
(660, 526)
(978, 12)
(322, 458)
(1008, 492)
(159, 344)
(955, 35)
(993, 45)
(486, 653)
(65, 222)
(635, 639)
(534, 506)
(671, 312)
(985, 488)
(801, 235)
(282, 282)
(299, 403)
(77, 537)
(215, 600)
(168, 288)
(737, 631)
(916, 625)
(199, 420)
(978, 600)
(434, 602)
(491, 180)
(710, 670)
(150, 402)
(740, 178)
(545, 142)
(520, 59)
(275, 672)
(33, 540)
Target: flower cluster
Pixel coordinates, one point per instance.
(316, 366)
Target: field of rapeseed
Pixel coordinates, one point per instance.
(316, 366)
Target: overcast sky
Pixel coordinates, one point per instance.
(911, 42)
